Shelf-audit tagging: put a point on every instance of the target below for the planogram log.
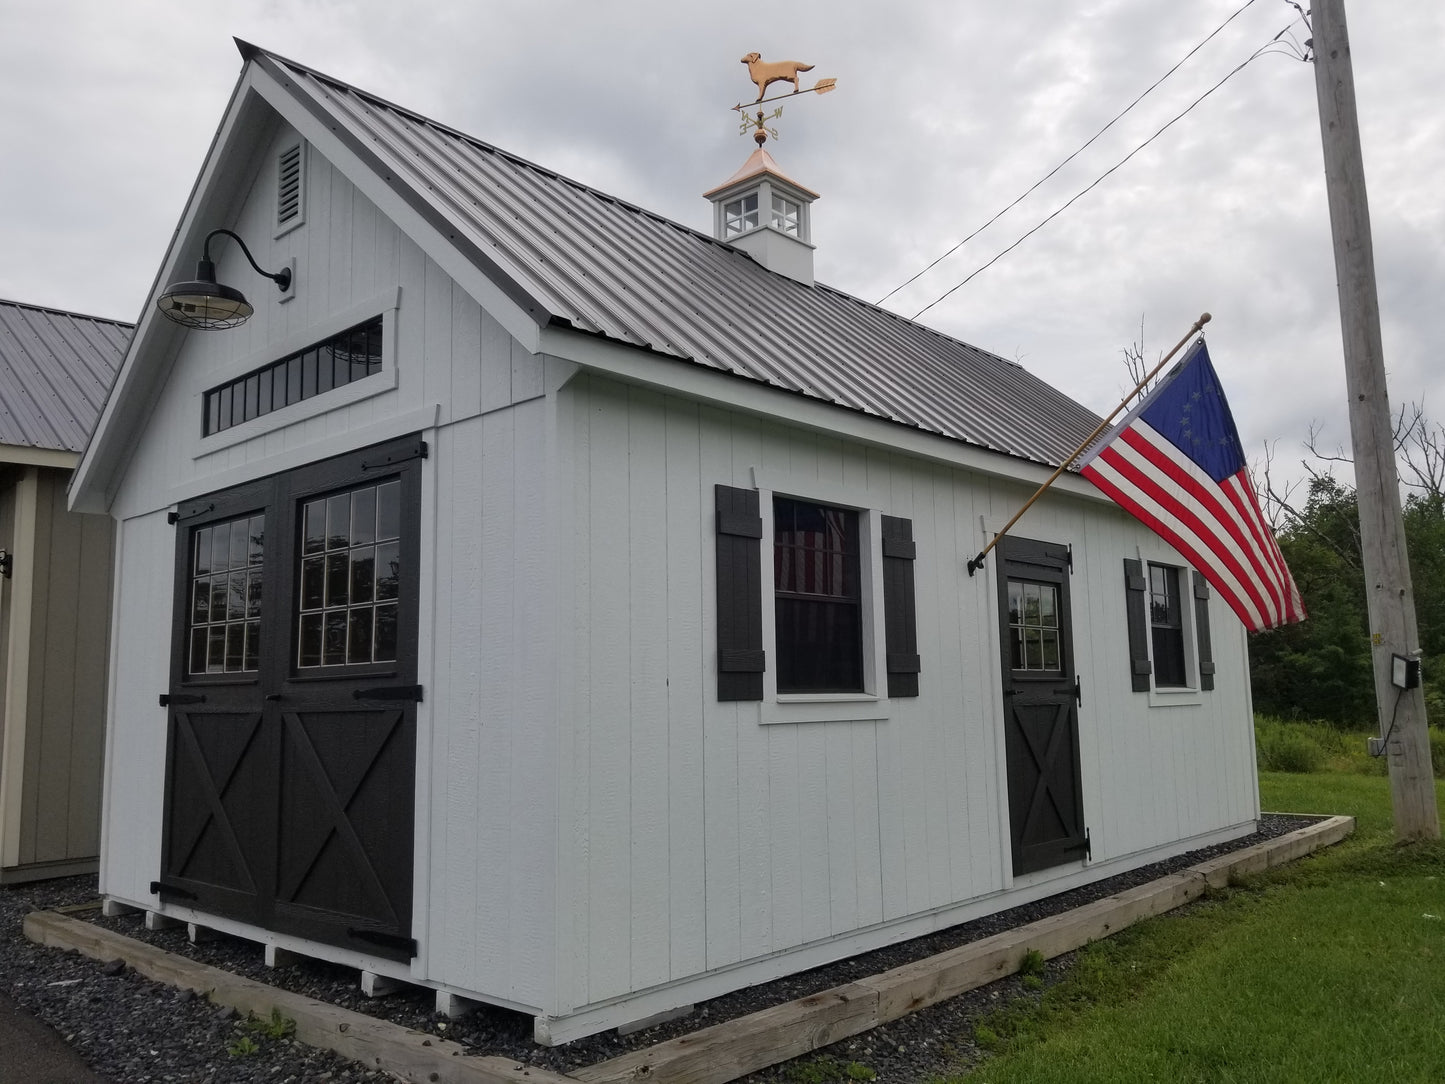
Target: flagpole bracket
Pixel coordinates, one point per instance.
(975, 563)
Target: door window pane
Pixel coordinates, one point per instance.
(1033, 616)
(223, 625)
(348, 590)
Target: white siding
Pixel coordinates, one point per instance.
(706, 839)
(493, 691)
(136, 725)
(486, 910)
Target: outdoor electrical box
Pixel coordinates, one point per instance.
(1404, 672)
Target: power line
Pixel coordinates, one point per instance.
(1117, 117)
(1273, 46)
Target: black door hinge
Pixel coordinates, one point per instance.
(1069, 550)
(175, 517)
(385, 940)
(1078, 693)
(389, 692)
(160, 888)
(411, 451)
(177, 699)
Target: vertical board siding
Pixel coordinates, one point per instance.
(347, 253)
(686, 514)
(782, 835)
(136, 738)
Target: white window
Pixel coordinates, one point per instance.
(741, 215)
(785, 215)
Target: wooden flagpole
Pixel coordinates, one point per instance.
(977, 563)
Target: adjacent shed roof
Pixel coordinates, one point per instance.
(55, 371)
(574, 256)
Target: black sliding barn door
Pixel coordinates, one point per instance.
(1040, 702)
(291, 751)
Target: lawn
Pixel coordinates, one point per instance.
(1332, 969)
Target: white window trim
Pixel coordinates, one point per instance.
(871, 705)
(1174, 696)
(385, 304)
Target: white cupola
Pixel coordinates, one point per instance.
(766, 214)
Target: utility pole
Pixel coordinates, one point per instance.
(1390, 597)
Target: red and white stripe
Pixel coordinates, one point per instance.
(1216, 526)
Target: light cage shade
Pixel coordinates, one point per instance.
(206, 305)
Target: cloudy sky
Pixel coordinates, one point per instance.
(946, 112)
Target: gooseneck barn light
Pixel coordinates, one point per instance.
(208, 304)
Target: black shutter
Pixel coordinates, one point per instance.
(900, 617)
(739, 595)
(1137, 605)
(1201, 626)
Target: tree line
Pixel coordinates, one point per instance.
(1321, 668)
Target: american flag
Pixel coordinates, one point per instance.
(1176, 464)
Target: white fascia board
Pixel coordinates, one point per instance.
(156, 341)
(694, 381)
(518, 323)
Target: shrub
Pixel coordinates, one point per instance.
(1287, 747)
(1437, 752)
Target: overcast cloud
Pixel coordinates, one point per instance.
(945, 112)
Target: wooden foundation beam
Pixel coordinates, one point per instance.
(713, 1055)
(379, 1044)
(737, 1047)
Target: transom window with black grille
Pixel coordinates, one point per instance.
(224, 627)
(1033, 617)
(1166, 619)
(350, 571)
(340, 360)
(818, 598)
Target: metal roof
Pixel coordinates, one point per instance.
(573, 256)
(55, 371)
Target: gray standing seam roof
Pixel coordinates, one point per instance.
(573, 256)
(56, 369)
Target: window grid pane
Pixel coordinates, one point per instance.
(338, 361)
(224, 629)
(350, 571)
(1167, 627)
(1033, 614)
(817, 604)
(741, 215)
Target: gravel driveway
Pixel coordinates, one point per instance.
(136, 1031)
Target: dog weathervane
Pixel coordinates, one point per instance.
(764, 73)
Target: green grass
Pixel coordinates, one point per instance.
(1332, 969)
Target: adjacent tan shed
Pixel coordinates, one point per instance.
(55, 591)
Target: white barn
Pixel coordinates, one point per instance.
(561, 608)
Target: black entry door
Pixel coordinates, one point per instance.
(292, 732)
(1041, 718)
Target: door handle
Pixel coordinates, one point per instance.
(271, 698)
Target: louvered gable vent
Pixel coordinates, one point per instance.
(289, 188)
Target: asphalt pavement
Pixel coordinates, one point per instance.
(32, 1053)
